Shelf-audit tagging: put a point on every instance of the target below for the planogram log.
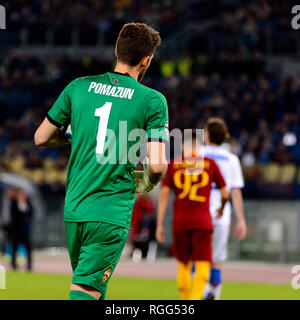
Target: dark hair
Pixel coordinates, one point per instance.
(136, 41)
(217, 129)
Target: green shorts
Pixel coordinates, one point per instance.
(95, 249)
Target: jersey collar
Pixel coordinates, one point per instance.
(123, 74)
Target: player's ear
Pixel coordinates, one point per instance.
(145, 62)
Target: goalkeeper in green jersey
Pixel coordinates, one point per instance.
(103, 111)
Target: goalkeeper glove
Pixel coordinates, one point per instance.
(142, 180)
(68, 132)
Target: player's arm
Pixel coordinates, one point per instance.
(161, 212)
(49, 135)
(51, 132)
(237, 198)
(167, 186)
(156, 127)
(158, 164)
(237, 201)
(154, 167)
(224, 199)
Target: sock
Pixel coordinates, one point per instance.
(80, 295)
(215, 277)
(184, 280)
(201, 276)
(215, 281)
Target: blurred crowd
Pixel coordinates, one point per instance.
(247, 25)
(260, 107)
(222, 71)
(213, 25)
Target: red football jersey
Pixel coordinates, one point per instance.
(191, 182)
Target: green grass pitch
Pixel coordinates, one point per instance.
(39, 286)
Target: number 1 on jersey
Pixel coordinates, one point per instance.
(102, 112)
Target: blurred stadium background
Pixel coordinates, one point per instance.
(235, 59)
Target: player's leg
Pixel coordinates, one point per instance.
(184, 280)
(83, 292)
(202, 255)
(181, 252)
(73, 232)
(215, 281)
(27, 244)
(100, 251)
(220, 241)
(15, 244)
(201, 276)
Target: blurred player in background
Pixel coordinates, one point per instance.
(215, 134)
(21, 219)
(100, 195)
(142, 229)
(192, 224)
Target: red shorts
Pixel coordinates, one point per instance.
(192, 245)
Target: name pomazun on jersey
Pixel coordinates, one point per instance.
(108, 90)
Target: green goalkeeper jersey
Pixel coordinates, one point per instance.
(111, 115)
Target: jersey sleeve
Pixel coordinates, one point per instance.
(218, 177)
(60, 113)
(168, 179)
(157, 120)
(236, 174)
